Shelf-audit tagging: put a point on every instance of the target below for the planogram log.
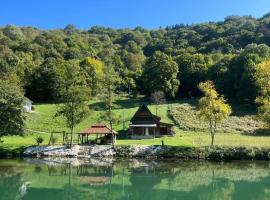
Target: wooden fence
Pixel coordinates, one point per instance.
(65, 138)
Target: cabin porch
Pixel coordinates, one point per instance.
(149, 131)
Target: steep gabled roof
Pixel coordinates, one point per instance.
(144, 115)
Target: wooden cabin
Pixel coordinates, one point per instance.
(146, 125)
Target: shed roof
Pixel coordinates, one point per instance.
(26, 99)
(98, 129)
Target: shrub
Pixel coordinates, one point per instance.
(39, 140)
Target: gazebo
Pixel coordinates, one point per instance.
(104, 135)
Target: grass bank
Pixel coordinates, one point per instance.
(241, 129)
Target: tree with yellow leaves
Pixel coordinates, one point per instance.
(93, 71)
(212, 107)
(262, 79)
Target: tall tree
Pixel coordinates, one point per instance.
(46, 80)
(92, 69)
(239, 83)
(158, 98)
(109, 86)
(193, 71)
(212, 107)
(160, 73)
(75, 96)
(262, 78)
(11, 109)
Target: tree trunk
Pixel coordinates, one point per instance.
(72, 125)
(112, 135)
(212, 139)
(71, 136)
(212, 131)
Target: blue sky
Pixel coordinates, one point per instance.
(49, 14)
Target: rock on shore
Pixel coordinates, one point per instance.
(76, 151)
(134, 151)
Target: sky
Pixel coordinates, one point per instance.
(51, 14)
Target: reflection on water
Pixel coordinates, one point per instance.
(132, 179)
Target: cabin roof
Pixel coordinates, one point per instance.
(98, 129)
(144, 116)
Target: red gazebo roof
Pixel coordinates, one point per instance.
(98, 129)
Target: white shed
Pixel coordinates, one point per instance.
(27, 105)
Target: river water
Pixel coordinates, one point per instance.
(67, 179)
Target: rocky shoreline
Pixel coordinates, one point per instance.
(153, 152)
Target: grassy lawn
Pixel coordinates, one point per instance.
(239, 130)
(226, 139)
(170, 141)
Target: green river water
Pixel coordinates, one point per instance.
(67, 179)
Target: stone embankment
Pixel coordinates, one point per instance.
(79, 151)
(202, 153)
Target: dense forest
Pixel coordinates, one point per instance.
(174, 59)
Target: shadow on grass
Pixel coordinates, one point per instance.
(7, 151)
(126, 103)
(240, 110)
(123, 135)
(119, 104)
(258, 132)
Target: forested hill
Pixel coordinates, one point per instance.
(172, 59)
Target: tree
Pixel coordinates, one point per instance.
(45, 81)
(109, 85)
(212, 107)
(11, 109)
(160, 73)
(13, 32)
(92, 69)
(194, 69)
(74, 96)
(262, 79)
(158, 98)
(239, 81)
(8, 61)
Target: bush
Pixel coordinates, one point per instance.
(39, 140)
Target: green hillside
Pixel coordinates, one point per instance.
(241, 129)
